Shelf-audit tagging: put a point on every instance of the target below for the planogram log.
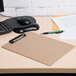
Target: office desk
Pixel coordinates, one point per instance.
(14, 63)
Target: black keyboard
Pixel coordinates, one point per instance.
(4, 28)
(8, 25)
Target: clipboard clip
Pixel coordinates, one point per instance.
(22, 30)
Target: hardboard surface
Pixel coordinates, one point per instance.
(40, 48)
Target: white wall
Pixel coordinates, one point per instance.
(39, 7)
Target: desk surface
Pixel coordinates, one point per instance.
(12, 62)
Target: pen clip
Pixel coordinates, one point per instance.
(19, 37)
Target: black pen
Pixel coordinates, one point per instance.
(17, 38)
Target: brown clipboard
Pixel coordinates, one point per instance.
(40, 48)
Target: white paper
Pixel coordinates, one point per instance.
(69, 34)
(68, 24)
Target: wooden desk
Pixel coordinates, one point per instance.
(14, 63)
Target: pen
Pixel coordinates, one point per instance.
(17, 38)
(53, 32)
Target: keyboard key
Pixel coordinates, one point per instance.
(4, 28)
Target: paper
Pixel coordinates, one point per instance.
(68, 24)
(69, 34)
(55, 27)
